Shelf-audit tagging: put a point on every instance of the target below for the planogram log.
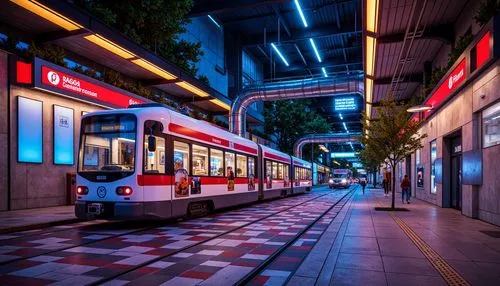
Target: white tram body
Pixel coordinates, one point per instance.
(149, 161)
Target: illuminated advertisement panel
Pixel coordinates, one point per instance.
(63, 81)
(345, 104)
(63, 136)
(29, 130)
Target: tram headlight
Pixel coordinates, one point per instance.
(124, 191)
(344, 181)
(82, 190)
(330, 181)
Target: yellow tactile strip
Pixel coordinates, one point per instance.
(449, 274)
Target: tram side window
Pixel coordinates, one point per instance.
(229, 163)
(280, 171)
(181, 156)
(275, 170)
(216, 163)
(251, 167)
(285, 172)
(269, 169)
(241, 166)
(154, 162)
(200, 161)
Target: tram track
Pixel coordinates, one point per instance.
(145, 264)
(256, 271)
(138, 230)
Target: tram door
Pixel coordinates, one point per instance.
(456, 173)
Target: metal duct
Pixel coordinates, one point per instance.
(323, 138)
(296, 89)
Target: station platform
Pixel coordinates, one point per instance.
(19, 220)
(427, 245)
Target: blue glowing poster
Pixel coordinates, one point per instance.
(29, 130)
(63, 136)
(346, 104)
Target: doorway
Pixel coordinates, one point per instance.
(456, 173)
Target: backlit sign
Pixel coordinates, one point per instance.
(63, 81)
(345, 104)
(343, 154)
(453, 81)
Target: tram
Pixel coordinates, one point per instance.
(151, 162)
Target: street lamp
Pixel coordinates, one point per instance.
(419, 108)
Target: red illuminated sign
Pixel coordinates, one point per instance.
(453, 81)
(64, 82)
(483, 50)
(23, 73)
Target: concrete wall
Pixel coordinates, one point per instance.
(461, 114)
(4, 182)
(41, 185)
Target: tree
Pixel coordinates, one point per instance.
(153, 24)
(290, 120)
(371, 161)
(391, 137)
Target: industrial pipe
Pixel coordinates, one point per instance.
(296, 89)
(323, 138)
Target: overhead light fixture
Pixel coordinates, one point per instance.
(279, 54)
(110, 46)
(48, 14)
(419, 108)
(341, 117)
(192, 88)
(324, 72)
(372, 15)
(215, 22)
(368, 90)
(371, 46)
(315, 49)
(345, 127)
(297, 4)
(220, 103)
(153, 68)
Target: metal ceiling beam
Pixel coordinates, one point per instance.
(295, 66)
(416, 77)
(60, 35)
(282, 20)
(293, 10)
(303, 34)
(224, 6)
(444, 33)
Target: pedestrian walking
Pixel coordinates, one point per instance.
(405, 189)
(363, 184)
(385, 185)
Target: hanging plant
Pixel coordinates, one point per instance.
(486, 11)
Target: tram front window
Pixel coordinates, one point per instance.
(108, 144)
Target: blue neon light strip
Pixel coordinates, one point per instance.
(324, 72)
(279, 54)
(215, 22)
(315, 49)
(341, 117)
(345, 127)
(297, 4)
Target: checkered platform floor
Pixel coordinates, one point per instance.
(192, 253)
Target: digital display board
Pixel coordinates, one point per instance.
(343, 155)
(29, 130)
(63, 136)
(345, 104)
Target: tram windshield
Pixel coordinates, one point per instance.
(108, 143)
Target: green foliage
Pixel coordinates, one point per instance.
(391, 138)
(204, 78)
(49, 52)
(439, 72)
(487, 9)
(153, 24)
(289, 120)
